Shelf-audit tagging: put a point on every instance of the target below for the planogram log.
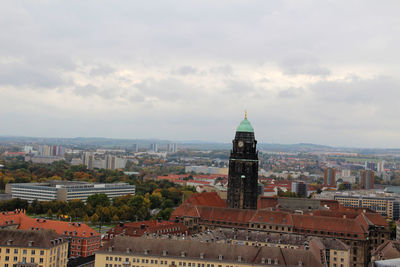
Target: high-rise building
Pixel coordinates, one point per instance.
(381, 166)
(243, 169)
(135, 148)
(367, 179)
(370, 166)
(111, 162)
(330, 177)
(154, 147)
(300, 188)
(172, 147)
(88, 160)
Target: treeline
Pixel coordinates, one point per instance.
(19, 171)
(99, 208)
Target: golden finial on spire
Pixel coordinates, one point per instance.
(245, 114)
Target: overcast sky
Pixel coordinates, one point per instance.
(324, 72)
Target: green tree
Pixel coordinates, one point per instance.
(98, 200)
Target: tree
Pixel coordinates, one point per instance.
(94, 219)
(98, 200)
(155, 201)
(115, 218)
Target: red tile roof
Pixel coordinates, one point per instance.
(211, 199)
(64, 228)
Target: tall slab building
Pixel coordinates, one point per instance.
(243, 169)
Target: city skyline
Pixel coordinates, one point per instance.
(308, 72)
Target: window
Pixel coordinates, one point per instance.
(106, 259)
(33, 252)
(32, 260)
(42, 252)
(41, 260)
(15, 258)
(7, 258)
(7, 250)
(15, 251)
(24, 252)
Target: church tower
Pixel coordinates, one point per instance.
(243, 169)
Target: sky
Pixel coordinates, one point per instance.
(323, 72)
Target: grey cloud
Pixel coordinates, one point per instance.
(31, 76)
(303, 64)
(185, 70)
(377, 90)
(239, 87)
(101, 70)
(169, 89)
(224, 70)
(87, 90)
(291, 92)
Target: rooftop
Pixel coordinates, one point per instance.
(211, 251)
(25, 222)
(25, 238)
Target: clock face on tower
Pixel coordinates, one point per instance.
(240, 143)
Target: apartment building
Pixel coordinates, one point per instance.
(83, 240)
(42, 248)
(130, 251)
(386, 206)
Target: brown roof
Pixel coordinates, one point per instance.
(210, 251)
(154, 226)
(211, 199)
(331, 224)
(390, 249)
(24, 238)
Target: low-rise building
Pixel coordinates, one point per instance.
(42, 248)
(66, 191)
(128, 251)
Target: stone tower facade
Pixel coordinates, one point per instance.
(243, 169)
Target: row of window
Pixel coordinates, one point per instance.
(7, 258)
(24, 251)
(165, 263)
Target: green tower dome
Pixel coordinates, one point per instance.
(245, 126)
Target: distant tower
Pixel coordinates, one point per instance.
(330, 177)
(243, 169)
